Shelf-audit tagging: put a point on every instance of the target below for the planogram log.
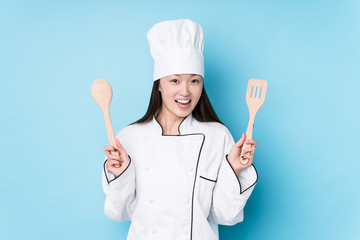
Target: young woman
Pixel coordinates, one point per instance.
(180, 173)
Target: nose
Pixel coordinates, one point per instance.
(185, 91)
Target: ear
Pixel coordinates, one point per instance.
(159, 88)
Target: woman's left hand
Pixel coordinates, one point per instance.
(237, 152)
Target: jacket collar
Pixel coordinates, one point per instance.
(184, 126)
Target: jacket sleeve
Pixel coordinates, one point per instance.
(120, 193)
(231, 191)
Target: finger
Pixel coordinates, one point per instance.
(250, 150)
(114, 163)
(115, 156)
(111, 163)
(120, 148)
(241, 141)
(250, 158)
(109, 148)
(113, 166)
(251, 142)
(108, 153)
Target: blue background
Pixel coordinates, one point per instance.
(53, 133)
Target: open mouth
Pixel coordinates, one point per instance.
(183, 103)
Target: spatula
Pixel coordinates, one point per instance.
(101, 91)
(255, 97)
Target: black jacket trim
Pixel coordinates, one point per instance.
(162, 130)
(208, 179)
(192, 197)
(241, 192)
(197, 165)
(120, 173)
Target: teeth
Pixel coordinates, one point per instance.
(183, 101)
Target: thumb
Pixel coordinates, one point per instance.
(241, 141)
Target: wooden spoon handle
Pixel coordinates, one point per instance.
(249, 133)
(110, 131)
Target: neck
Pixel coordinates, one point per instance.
(169, 123)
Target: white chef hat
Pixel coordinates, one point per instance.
(177, 48)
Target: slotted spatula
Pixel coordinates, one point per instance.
(101, 91)
(255, 97)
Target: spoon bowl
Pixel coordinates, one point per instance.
(101, 91)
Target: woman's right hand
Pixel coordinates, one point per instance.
(115, 160)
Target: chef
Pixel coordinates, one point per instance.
(180, 173)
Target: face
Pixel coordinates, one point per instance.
(180, 94)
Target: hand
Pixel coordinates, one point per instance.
(115, 160)
(237, 152)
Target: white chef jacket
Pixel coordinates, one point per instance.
(177, 186)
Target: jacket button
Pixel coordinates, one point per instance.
(154, 231)
(151, 201)
(147, 168)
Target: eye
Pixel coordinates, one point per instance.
(174, 80)
(195, 81)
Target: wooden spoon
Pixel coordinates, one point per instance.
(101, 91)
(255, 97)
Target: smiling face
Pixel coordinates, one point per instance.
(180, 94)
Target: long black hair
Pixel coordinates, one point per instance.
(203, 112)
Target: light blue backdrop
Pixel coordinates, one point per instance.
(53, 133)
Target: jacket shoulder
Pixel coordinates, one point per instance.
(129, 136)
(215, 128)
(132, 130)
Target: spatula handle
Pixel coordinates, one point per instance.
(110, 131)
(249, 133)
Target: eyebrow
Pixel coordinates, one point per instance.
(191, 74)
